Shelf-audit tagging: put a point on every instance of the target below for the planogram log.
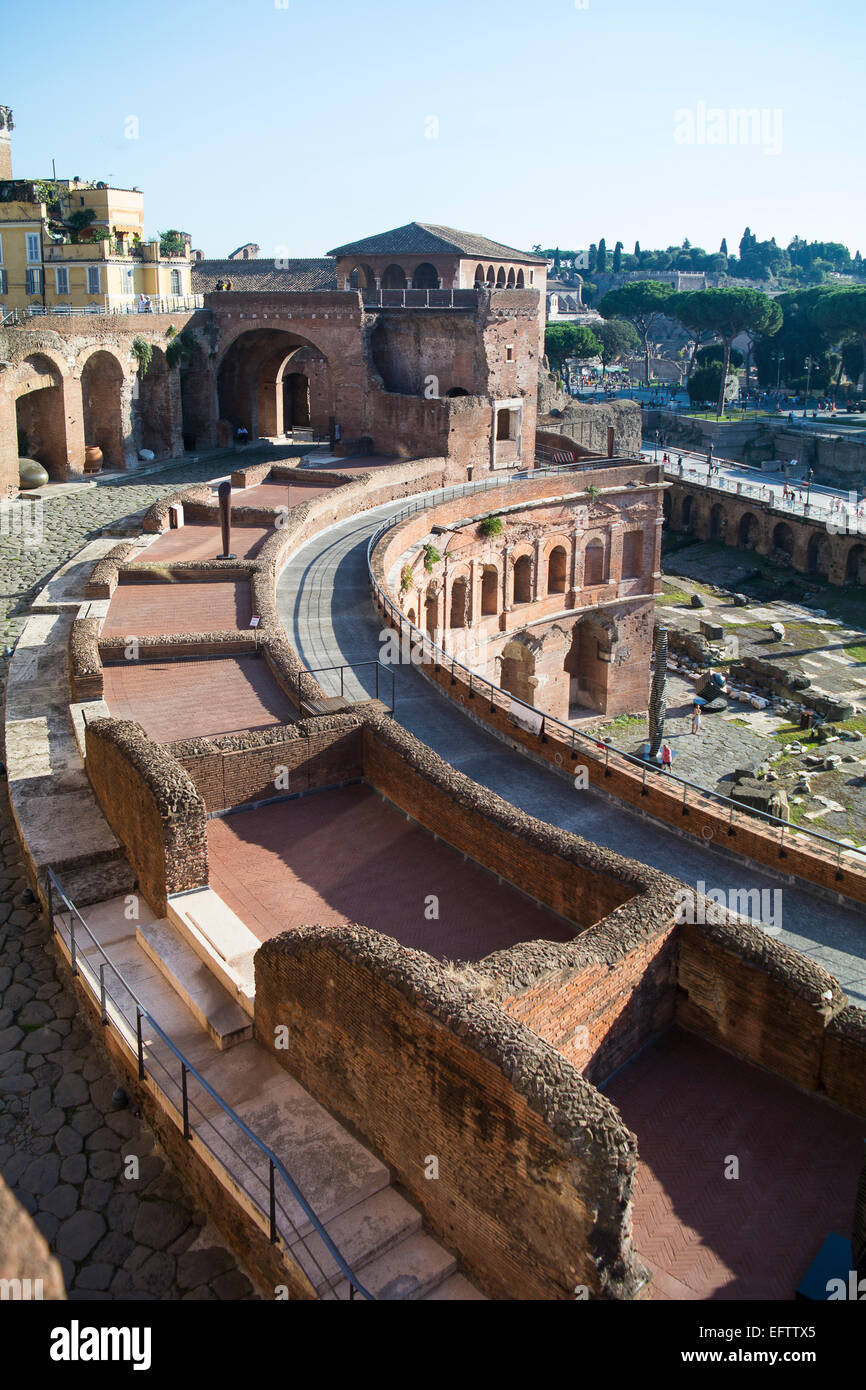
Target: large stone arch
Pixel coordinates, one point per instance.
(251, 374)
(588, 664)
(855, 563)
(198, 400)
(40, 395)
(105, 411)
(819, 554)
(718, 522)
(749, 532)
(517, 668)
(425, 277)
(782, 540)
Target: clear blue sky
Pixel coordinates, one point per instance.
(304, 127)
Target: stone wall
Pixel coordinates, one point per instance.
(535, 1168)
(152, 806)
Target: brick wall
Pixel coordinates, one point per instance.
(152, 806)
(535, 1168)
(553, 867)
(747, 992)
(843, 1065)
(257, 766)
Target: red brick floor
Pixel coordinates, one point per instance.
(196, 699)
(709, 1237)
(346, 856)
(203, 543)
(148, 610)
(278, 494)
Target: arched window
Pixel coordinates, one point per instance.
(500, 279)
(594, 563)
(479, 275)
(489, 591)
(511, 280)
(176, 284)
(520, 280)
(556, 570)
(523, 580)
(459, 591)
(426, 277)
(394, 278)
(491, 275)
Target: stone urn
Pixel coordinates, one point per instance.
(92, 458)
(31, 474)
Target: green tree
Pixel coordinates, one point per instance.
(615, 336)
(591, 258)
(601, 260)
(642, 302)
(727, 314)
(841, 314)
(723, 249)
(563, 340)
(617, 258)
(172, 243)
(637, 249)
(79, 221)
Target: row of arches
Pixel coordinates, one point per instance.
(500, 279)
(395, 277)
(810, 550)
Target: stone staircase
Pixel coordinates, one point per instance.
(208, 1015)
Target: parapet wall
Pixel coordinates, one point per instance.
(152, 806)
(518, 1163)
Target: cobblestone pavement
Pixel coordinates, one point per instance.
(63, 1141)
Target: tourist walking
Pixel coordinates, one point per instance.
(667, 759)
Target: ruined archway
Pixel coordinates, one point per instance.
(587, 662)
(431, 610)
(196, 400)
(594, 563)
(101, 387)
(718, 522)
(748, 532)
(783, 540)
(517, 671)
(155, 407)
(855, 565)
(40, 415)
(686, 513)
(251, 383)
(819, 554)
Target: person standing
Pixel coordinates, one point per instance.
(696, 719)
(667, 759)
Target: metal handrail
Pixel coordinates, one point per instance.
(348, 666)
(188, 1069)
(440, 656)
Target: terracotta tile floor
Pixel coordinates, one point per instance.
(277, 494)
(203, 543)
(708, 1237)
(148, 610)
(196, 699)
(345, 856)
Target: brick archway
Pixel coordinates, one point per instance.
(102, 383)
(258, 377)
(40, 413)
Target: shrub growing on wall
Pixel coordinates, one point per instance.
(491, 526)
(142, 351)
(431, 557)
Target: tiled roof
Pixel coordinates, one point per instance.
(424, 239)
(297, 275)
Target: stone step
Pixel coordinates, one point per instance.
(408, 1271)
(222, 1019)
(220, 939)
(361, 1234)
(457, 1287)
(98, 881)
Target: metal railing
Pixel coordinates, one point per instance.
(421, 299)
(848, 518)
(358, 666)
(125, 304)
(427, 652)
(121, 1008)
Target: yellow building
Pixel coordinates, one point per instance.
(73, 246)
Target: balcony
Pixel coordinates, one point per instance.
(420, 299)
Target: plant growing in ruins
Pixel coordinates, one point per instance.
(179, 350)
(142, 351)
(406, 578)
(431, 557)
(491, 526)
(592, 492)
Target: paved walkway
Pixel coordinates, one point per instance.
(324, 602)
